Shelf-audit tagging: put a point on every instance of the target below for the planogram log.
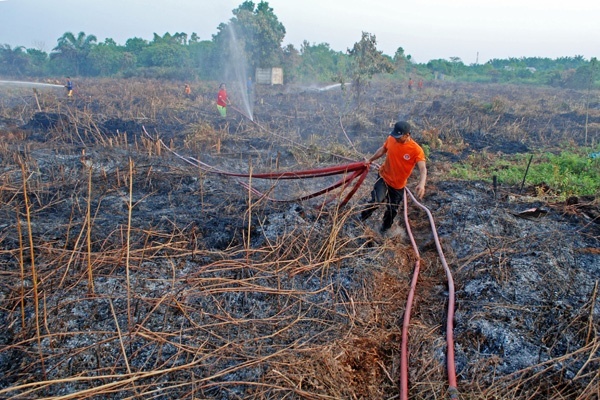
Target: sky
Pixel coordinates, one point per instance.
(473, 30)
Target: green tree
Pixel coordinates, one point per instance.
(181, 38)
(165, 55)
(266, 47)
(439, 66)
(134, 48)
(570, 62)
(401, 60)
(166, 51)
(457, 66)
(580, 78)
(258, 32)
(135, 45)
(202, 55)
(13, 61)
(108, 58)
(72, 52)
(38, 62)
(291, 62)
(366, 61)
(454, 67)
(320, 63)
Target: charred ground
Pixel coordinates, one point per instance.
(148, 277)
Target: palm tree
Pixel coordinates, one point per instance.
(74, 50)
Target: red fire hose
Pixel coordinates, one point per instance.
(358, 171)
(451, 369)
(350, 172)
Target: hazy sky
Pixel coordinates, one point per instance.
(473, 30)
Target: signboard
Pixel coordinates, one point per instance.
(269, 76)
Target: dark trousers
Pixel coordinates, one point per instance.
(382, 193)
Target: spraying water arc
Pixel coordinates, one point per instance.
(238, 71)
(29, 84)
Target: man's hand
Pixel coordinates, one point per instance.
(420, 191)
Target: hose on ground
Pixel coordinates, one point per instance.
(451, 369)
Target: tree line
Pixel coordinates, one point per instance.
(255, 35)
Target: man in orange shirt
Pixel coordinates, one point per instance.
(403, 153)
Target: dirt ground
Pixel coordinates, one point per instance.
(131, 270)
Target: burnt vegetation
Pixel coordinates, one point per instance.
(129, 273)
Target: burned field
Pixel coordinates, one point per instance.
(128, 272)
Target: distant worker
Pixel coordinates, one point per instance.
(410, 83)
(188, 90)
(222, 100)
(420, 84)
(403, 153)
(69, 87)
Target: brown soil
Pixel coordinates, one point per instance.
(129, 273)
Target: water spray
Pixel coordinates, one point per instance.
(239, 66)
(29, 84)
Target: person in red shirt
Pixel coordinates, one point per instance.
(222, 100)
(402, 154)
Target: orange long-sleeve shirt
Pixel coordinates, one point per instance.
(400, 161)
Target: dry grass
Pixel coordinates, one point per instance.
(132, 310)
(158, 332)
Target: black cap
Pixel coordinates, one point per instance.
(400, 129)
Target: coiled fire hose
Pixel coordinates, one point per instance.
(351, 172)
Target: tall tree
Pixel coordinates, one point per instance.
(367, 61)
(401, 60)
(73, 51)
(291, 61)
(257, 31)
